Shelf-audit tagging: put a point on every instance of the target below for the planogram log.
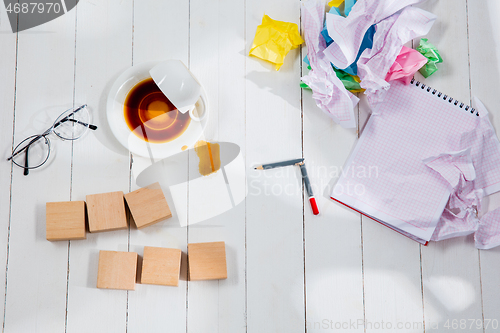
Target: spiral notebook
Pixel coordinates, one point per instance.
(387, 176)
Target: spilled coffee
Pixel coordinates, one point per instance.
(151, 116)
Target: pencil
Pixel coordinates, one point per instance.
(279, 164)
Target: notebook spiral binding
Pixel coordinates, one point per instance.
(445, 97)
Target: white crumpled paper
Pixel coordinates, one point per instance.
(396, 25)
(470, 178)
(388, 40)
(348, 32)
(328, 91)
(460, 214)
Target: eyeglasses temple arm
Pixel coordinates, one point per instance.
(92, 127)
(26, 164)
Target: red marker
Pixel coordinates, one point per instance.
(307, 184)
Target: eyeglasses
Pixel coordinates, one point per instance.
(34, 151)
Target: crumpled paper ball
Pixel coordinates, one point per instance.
(432, 54)
(274, 39)
(407, 63)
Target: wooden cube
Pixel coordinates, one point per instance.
(207, 261)
(106, 211)
(148, 205)
(161, 266)
(117, 270)
(65, 220)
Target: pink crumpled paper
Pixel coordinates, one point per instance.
(407, 63)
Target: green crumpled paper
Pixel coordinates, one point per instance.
(349, 81)
(274, 39)
(304, 86)
(432, 54)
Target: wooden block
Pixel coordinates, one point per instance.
(65, 220)
(117, 270)
(148, 205)
(106, 211)
(207, 261)
(161, 266)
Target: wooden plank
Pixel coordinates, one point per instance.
(275, 253)
(103, 51)
(324, 280)
(160, 34)
(392, 279)
(451, 293)
(8, 54)
(217, 58)
(393, 298)
(384, 300)
(484, 43)
(37, 268)
(333, 238)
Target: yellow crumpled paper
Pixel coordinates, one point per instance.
(335, 3)
(274, 39)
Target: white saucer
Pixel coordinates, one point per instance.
(120, 129)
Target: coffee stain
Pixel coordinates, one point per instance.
(151, 116)
(209, 155)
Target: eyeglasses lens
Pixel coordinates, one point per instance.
(36, 147)
(71, 124)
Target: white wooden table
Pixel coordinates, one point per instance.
(288, 271)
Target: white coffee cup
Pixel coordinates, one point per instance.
(117, 96)
(177, 83)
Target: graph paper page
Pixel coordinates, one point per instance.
(386, 177)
